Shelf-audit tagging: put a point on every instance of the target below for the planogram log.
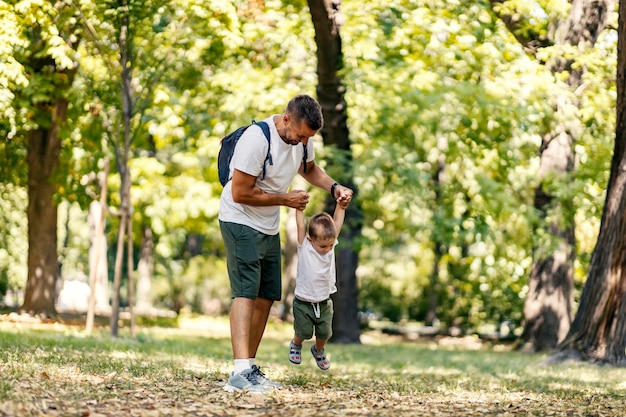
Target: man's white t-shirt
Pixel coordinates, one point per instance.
(316, 278)
(249, 157)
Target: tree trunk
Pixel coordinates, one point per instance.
(122, 156)
(130, 264)
(433, 291)
(145, 271)
(44, 147)
(548, 305)
(117, 273)
(598, 332)
(547, 309)
(98, 271)
(330, 92)
(434, 288)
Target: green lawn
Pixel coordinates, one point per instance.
(57, 370)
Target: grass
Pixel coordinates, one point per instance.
(57, 370)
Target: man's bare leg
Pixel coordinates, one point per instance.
(261, 313)
(241, 319)
(241, 324)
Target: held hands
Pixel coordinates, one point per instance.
(297, 199)
(343, 195)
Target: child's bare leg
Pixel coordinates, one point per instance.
(320, 356)
(319, 344)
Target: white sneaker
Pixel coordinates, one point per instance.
(263, 380)
(245, 381)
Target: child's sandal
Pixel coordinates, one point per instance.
(320, 358)
(295, 353)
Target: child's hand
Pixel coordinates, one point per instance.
(343, 203)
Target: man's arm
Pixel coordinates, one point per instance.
(317, 177)
(300, 225)
(245, 191)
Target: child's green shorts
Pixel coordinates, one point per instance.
(305, 321)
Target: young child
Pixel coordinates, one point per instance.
(315, 282)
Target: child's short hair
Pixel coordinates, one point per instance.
(322, 226)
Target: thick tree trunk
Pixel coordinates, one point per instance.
(44, 147)
(548, 305)
(598, 332)
(330, 92)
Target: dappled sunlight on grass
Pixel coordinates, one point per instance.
(181, 371)
(215, 327)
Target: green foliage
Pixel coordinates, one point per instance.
(13, 238)
(11, 72)
(445, 137)
(37, 41)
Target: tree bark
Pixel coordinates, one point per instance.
(44, 147)
(598, 332)
(117, 274)
(548, 305)
(330, 92)
(130, 265)
(122, 157)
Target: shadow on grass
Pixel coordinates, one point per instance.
(191, 363)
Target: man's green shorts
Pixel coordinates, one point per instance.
(253, 260)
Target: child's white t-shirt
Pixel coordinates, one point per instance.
(316, 278)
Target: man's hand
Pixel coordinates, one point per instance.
(344, 195)
(297, 199)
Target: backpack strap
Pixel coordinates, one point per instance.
(305, 156)
(266, 131)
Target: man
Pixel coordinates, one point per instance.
(249, 219)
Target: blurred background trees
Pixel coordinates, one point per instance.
(446, 109)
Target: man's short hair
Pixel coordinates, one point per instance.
(306, 108)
